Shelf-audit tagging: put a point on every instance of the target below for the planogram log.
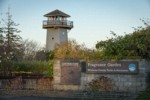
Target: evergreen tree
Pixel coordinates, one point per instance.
(1, 43)
(12, 41)
(10, 44)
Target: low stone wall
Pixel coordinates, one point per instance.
(120, 81)
(123, 82)
(71, 75)
(27, 83)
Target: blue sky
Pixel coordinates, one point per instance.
(93, 19)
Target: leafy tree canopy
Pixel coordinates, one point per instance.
(130, 46)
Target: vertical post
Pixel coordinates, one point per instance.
(57, 73)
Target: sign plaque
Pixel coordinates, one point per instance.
(70, 72)
(118, 67)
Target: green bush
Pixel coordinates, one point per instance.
(130, 46)
(36, 67)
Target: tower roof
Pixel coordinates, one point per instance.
(56, 13)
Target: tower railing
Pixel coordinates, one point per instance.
(57, 23)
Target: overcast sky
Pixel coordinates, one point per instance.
(93, 19)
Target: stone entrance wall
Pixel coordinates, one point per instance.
(66, 77)
(120, 81)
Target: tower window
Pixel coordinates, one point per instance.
(52, 38)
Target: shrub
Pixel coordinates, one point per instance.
(73, 50)
(100, 84)
(36, 67)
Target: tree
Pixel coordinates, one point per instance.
(41, 56)
(112, 48)
(135, 45)
(12, 39)
(10, 42)
(30, 48)
(1, 43)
